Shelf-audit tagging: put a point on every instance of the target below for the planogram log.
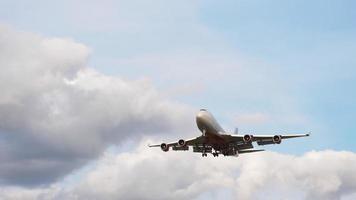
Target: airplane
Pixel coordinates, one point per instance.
(216, 141)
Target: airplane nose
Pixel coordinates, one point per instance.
(200, 115)
(200, 119)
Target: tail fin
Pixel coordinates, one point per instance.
(236, 131)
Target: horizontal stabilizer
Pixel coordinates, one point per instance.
(251, 151)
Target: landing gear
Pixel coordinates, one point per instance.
(204, 150)
(215, 154)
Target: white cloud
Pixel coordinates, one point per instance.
(147, 174)
(56, 114)
(151, 174)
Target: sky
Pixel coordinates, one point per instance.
(85, 85)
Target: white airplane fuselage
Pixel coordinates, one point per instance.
(210, 128)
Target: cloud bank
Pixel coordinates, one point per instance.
(56, 113)
(146, 174)
(152, 174)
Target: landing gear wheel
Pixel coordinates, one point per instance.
(204, 155)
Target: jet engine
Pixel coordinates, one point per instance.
(164, 147)
(277, 139)
(181, 143)
(247, 138)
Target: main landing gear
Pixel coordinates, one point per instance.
(215, 154)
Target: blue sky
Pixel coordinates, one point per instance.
(291, 61)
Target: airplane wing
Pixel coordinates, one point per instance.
(264, 139)
(242, 142)
(180, 144)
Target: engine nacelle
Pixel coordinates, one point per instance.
(277, 139)
(164, 147)
(247, 138)
(181, 143)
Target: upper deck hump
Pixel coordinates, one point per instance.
(205, 120)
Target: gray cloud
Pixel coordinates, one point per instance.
(56, 114)
(152, 174)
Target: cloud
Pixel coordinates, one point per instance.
(318, 175)
(151, 174)
(56, 114)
